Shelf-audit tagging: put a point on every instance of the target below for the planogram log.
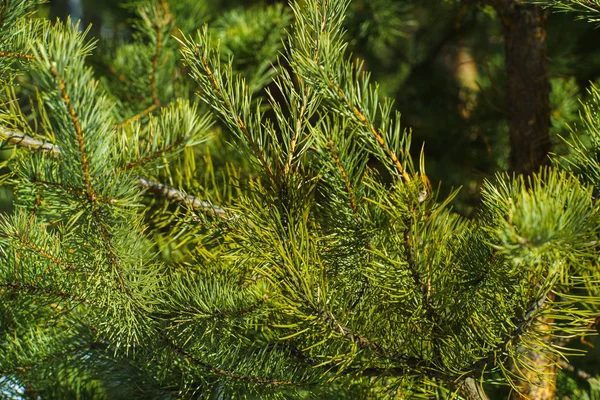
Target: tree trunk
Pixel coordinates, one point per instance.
(528, 85)
(529, 123)
(528, 107)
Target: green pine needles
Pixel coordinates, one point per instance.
(314, 259)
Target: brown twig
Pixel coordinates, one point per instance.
(116, 73)
(17, 56)
(29, 142)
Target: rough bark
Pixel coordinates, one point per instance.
(528, 106)
(470, 390)
(528, 89)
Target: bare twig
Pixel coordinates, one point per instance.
(173, 194)
(27, 141)
(577, 372)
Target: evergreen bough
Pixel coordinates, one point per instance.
(319, 263)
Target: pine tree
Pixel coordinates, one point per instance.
(318, 263)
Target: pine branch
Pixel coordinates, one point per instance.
(43, 253)
(231, 99)
(424, 288)
(78, 132)
(53, 357)
(157, 188)
(241, 125)
(36, 290)
(571, 5)
(408, 362)
(90, 191)
(69, 189)
(342, 83)
(224, 372)
(369, 125)
(155, 155)
(163, 18)
(520, 327)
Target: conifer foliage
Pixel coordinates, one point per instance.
(327, 268)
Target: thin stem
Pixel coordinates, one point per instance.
(154, 155)
(298, 128)
(425, 289)
(379, 137)
(137, 116)
(42, 252)
(21, 56)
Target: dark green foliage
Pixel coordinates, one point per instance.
(316, 260)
